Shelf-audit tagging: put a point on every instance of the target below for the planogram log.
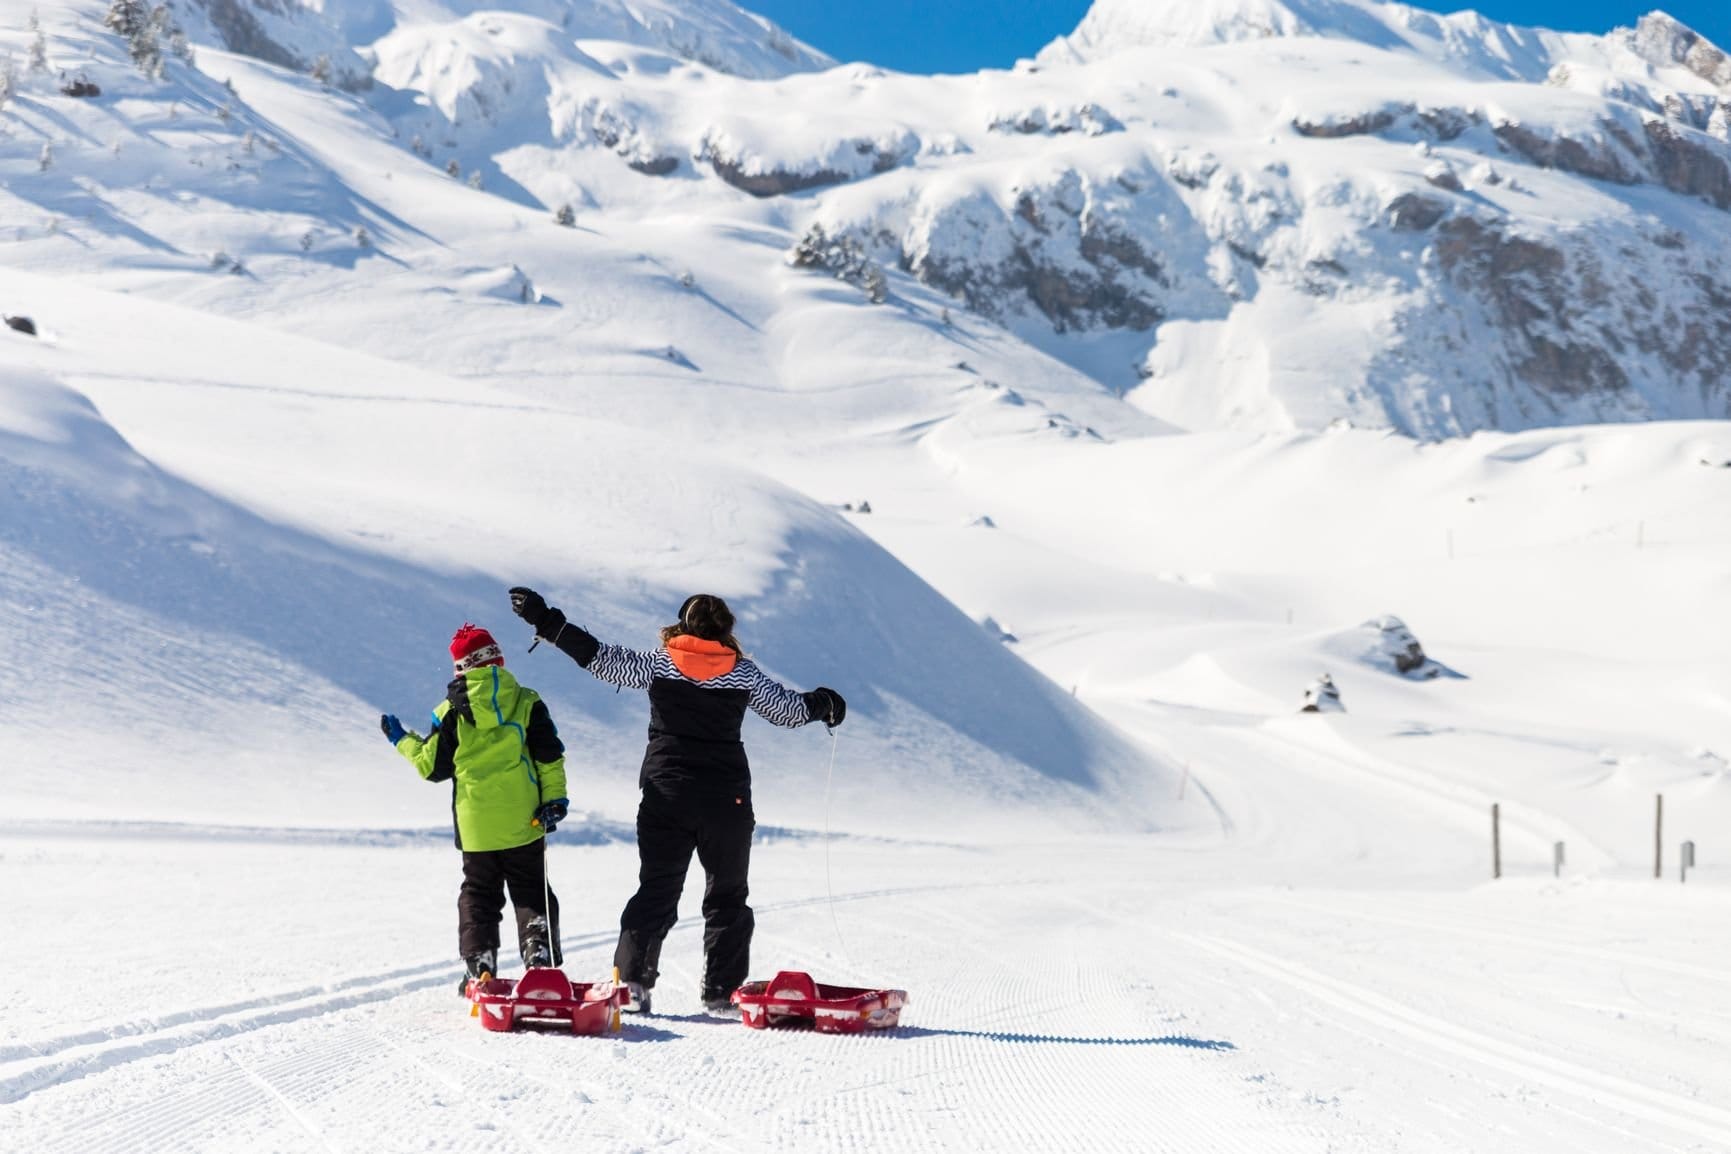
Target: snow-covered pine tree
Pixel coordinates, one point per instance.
(161, 32)
(45, 159)
(144, 30)
(843, 256)
(38, 45)
(566, 216)
(8, 79)
(453, 169)
(475, 179)
(322, 69)
(126, 18)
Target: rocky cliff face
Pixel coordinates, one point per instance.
(1468, 249)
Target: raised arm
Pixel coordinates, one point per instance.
(614, 664)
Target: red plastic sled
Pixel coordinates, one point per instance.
(547, 996)
(793, 999)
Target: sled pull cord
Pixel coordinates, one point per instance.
(547, 903)
(829, 887)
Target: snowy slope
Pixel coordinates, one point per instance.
(297, 33)
(313, 594)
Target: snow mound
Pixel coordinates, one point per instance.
(493, 68)
(1322, 696)
(714, 33)
(505, 284)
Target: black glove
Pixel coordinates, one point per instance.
(825, 705)
(533, 608)
(529, 605)
(551, 814)
(457, 693)
(391, 728)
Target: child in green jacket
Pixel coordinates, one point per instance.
(494, 741)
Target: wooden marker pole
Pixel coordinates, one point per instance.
(1496, 840)
(1659, 835)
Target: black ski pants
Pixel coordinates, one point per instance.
(669, 830)
(481, 901)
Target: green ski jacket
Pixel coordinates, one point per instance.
(501, 754)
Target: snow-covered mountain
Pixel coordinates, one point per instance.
(1237, 212)
(295, 34)
(674, 220)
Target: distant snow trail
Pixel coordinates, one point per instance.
(1465, 928)
(1700, 1119)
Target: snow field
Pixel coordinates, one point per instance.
(1065, 997)
(1139, 903)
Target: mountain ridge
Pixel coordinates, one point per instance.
(1434, 224)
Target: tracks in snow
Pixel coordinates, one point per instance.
(1700, 1119)
(1455, 926)
(28, 1067)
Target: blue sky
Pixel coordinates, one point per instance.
(967, 35)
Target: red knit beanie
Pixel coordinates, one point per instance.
(474, 647)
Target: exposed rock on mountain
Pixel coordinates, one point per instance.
(1392, 646)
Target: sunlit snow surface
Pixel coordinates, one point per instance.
(290, 420)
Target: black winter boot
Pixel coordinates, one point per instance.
(537, 952)
(480, 967)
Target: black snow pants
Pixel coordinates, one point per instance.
(668, 831)
(480, 902)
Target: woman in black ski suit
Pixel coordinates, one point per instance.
(696, 781)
